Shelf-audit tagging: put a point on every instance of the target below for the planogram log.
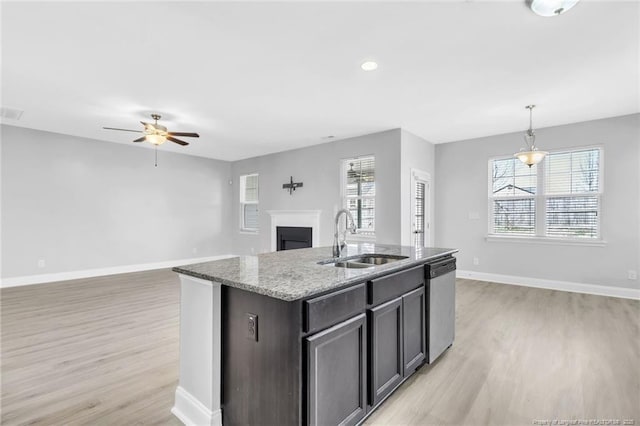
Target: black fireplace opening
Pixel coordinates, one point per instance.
(292, 237)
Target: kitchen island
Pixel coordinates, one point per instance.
(295, 337)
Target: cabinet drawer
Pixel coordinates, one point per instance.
(324, 311)
(386, 288)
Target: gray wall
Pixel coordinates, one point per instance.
(461, 174)
(419, 154)
(318, 167)
(83, 204)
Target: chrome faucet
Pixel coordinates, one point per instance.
(338, 246)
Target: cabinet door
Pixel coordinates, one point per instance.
(385, 349)
(413, 322)
(336, 374)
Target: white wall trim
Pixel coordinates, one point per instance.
(99, 272)
(197, 397)
(192, 412)
(600, 290)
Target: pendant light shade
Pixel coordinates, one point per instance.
(156, 139)
(551, 7)
(531, 155)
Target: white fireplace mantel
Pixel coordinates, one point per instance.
(305, 218)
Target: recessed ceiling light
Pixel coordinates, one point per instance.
(369, 65)
(11, 113)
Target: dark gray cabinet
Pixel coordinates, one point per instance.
(397, 342)
(385, 349)
(330, 359)
(336, 374)
(414, 331)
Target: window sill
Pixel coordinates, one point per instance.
(360, 237)
(248, 232)
(544, 240)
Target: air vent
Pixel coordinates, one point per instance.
(11, 113)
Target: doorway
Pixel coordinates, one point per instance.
(420, 207)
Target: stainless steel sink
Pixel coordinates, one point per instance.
(350, 264)
(377, 260)
(364, 261)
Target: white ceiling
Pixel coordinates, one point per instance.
(256, 78)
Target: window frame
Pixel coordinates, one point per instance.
(243, 202)
(541, 198)
(491, 198)
(344, 166)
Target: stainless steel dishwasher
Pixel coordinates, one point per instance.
(441, 306)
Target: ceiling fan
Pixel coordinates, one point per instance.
(158, 134)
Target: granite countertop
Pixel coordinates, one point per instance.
(295, 274)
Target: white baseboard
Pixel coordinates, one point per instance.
(600, 290)
(99, 272)
(192, 412)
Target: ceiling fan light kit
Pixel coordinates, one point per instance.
(551, 7)
(158, 134)
(156, 139)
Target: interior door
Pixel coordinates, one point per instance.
(420, 195)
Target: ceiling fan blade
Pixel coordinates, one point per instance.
(124, 130)
(141, 139)
(178, 141)
(187, 134)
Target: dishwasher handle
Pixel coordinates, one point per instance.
(442, 267)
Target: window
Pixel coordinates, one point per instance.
(513, 190)
(359, 192)
(558, 198)
(573, 194)
(249, 202)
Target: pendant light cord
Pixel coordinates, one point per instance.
(156, 149)
(530, 117)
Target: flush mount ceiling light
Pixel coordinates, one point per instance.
(551, 7)
(369, 65)
(531, 155)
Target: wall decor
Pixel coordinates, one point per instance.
(291, 186)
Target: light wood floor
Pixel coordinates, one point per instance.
(100, 351)
(104, 351)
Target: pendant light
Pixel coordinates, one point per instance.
(532, 155)
(551, 7)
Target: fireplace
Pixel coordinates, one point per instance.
(293, 237)
(295, 218)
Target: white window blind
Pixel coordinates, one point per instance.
(572, 186)
(249, 202)
(512, 196)
(558, 198)
(359, 192)
(419, 213)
